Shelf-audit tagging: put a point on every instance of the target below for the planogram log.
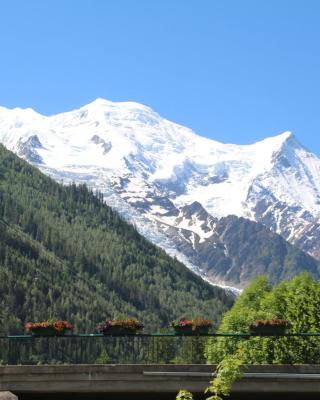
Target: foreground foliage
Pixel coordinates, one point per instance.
(226, 373)
(297, 301)
(184, 395)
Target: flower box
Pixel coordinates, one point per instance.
(128, 326)
(189, 330)
(191, 327)
(184, 330)
(270, 327)
(118, 330)
(46, 332)
(48, 328)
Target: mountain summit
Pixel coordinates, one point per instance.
(149, 169)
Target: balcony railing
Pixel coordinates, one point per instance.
(154, 348)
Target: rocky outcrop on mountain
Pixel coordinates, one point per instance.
(27, 149)
(106, 146)
(233, 250)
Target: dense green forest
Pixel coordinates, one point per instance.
(65, 254)
(297, 301)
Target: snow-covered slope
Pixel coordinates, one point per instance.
(149, 168)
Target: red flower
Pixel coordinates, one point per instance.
(58, 326)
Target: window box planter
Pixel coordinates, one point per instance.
(270, 327)
(191, 327)
(189, 330)
(48, 328)
(184, 330)
(128, 326)
(118, 330)
(46, 332)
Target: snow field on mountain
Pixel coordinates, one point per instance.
(149, 168)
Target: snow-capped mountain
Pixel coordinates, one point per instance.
(168, 180)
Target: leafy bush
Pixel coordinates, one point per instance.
(297, 301)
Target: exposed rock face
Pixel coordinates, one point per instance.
(27, 149)
(233, 250)
(106, 146)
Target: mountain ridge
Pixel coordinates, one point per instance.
(148, 168)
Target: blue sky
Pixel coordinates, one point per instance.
(233, 70)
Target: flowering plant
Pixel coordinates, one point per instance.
(194, 324)
(271, 322)
(120, 325)
(58, 327)
(181, 323)
(199, 322)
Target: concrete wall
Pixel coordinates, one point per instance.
(153, 379)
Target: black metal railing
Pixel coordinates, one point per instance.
(155, 348)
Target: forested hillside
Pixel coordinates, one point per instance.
(65, 254)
